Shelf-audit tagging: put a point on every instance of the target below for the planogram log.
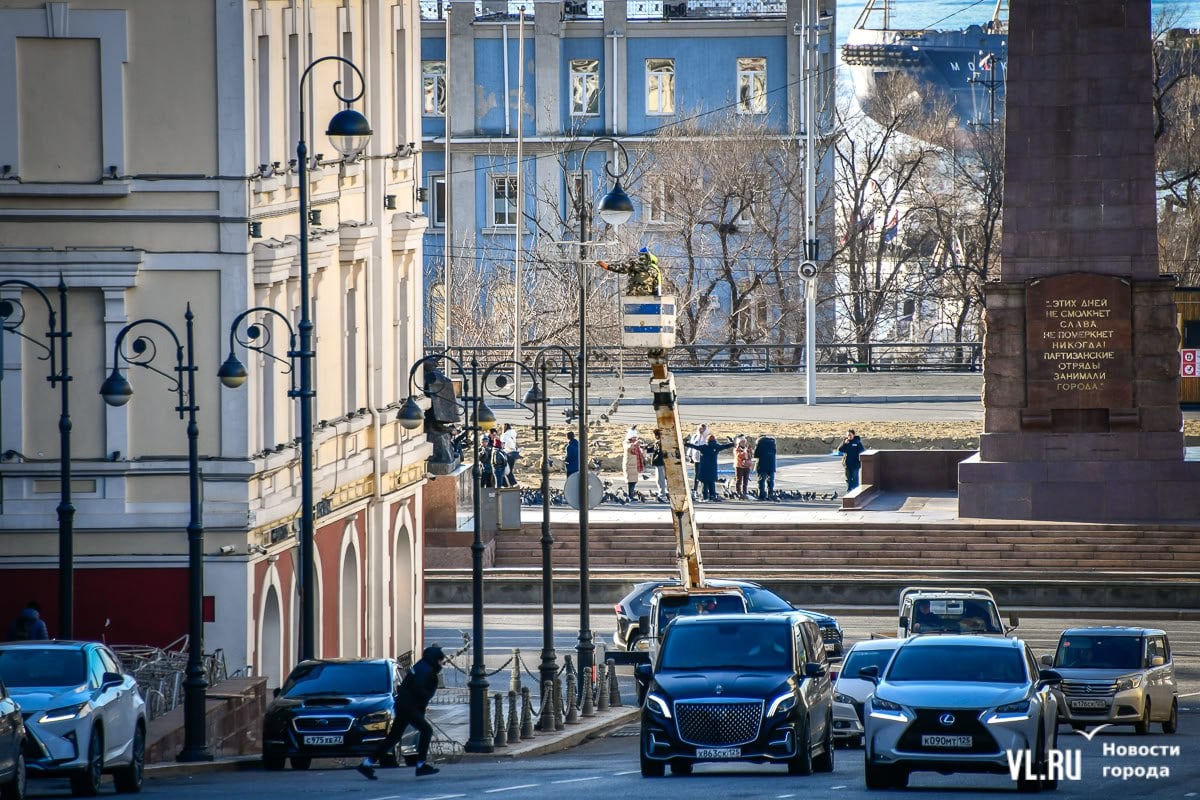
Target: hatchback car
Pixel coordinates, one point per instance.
(82, 709)
(853, 690)
(959, 703)
(332, 708)
(636, 604)
(12, 748)
(738, 687)
(1116, 676)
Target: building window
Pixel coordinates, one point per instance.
(752, 206)
(660, 86)
(433, 86)
(658, 200)
(752, 85)
(437, 200)
(585, 87)
(504, 201)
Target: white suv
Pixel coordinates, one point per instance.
(82, 708)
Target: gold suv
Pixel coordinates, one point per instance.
(1116, 676)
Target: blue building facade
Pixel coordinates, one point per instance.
(627, 70)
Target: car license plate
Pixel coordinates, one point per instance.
(1089, 703)
(718, 752)
(830, 647)
(318, 740)
(933, 740)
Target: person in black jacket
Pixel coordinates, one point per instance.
(706, 470)
(412, 699)
(851, 449)
(764, 455)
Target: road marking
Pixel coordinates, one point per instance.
(843, 786)
(435, 797)
(577, 780)
(626, 772)
(781, 796)
(1190, 694)
(511, 788)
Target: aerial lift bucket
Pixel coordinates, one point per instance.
(648, 322)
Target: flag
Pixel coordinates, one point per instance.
(858, 226)
(892, 227)
(985, 63)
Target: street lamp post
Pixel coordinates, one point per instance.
(116, 391)
(349, 132)
(615, 208)
(538, 395)
(12, 314)
(411, 417)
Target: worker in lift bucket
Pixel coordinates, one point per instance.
(645, 277)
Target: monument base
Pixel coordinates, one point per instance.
(1079, 491)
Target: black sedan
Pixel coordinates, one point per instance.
(759, 598)
(332, 708)
(12, 746)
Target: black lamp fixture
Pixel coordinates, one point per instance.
(349, 132)
(615, 207)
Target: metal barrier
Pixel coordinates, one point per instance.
(159, 672)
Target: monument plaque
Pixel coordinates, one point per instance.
(1079, 349)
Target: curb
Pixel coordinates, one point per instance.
(175, 769)
(569, 738)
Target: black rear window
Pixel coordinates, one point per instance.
(338, 680)
(728, 645)
(42, 666)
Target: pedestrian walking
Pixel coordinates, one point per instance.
(706, 469)
(411, 701)
(743, 460)
(28, 624)
(764, 457)
(487, 471)
(656, 461)
(634, 461)
(512, 452)
(571, 455)
(851, 450)
(698, 438)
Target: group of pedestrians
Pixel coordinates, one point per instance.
(498, 456)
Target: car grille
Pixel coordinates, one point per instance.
(831, 634)
(719, 723)
(1086, 689)
(322, 724)
(966, 722)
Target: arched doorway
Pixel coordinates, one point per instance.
(350, 593)
(270, 645)
(402, 590)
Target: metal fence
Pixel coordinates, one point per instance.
(159, 672)
(849, 357)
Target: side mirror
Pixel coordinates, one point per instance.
(644, 624)
(813, 670)
(1049, 677)
(643, 672)
(870, 673)
(1014, 621)
(1047, 660)
(1157, 661)
(904, 624)
(275, 692)
(111, 679)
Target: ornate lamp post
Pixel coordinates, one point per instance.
(349, 133)
(538, 395)
(116, 391)
(481, 418)
(615, 208)
(12, 314)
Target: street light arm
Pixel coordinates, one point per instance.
(337, 85)
(500, 383)
(250, 336)
(12, 314)
(144, 353)
(608, 164)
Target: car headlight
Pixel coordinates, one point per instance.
(838, 697)
(63, 714)
(1130, 682)
(658, 703)
(886, 709)
(1021, 707)
(782, 704)
(376, 721)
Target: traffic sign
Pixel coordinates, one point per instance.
(1188, 361)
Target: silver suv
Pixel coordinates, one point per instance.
(1116, 676)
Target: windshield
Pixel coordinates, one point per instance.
(672, 606)
(861, 659)
(962, 663)
(338, 680)
(50, 666)
(1099, 652)
(763, 600)
(958, 615)
(728, 645)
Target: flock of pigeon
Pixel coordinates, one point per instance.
(532, 496)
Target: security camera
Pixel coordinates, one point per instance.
(257, 549)
(808, 270)
(228, 549)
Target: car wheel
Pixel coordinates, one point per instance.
(1034, 785)
(1171, 725)
(393, 758)
(632, 644)
(273, 763)
(681, 766)
(15, 788)
(802, 762)
(650, 767)
(824, 762)
(301, 762)
(129, 779)
(1142, 726)
(1050, 784)
(86, 782)
(878, 777)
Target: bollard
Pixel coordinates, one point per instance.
(489, 730)
(572, 711)
(602, 688)
(546, 716)
(589, 702)
(500, 737)
(558, 704)
(514, 683)
(614, 688)
(514, 719)
(526, 714)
